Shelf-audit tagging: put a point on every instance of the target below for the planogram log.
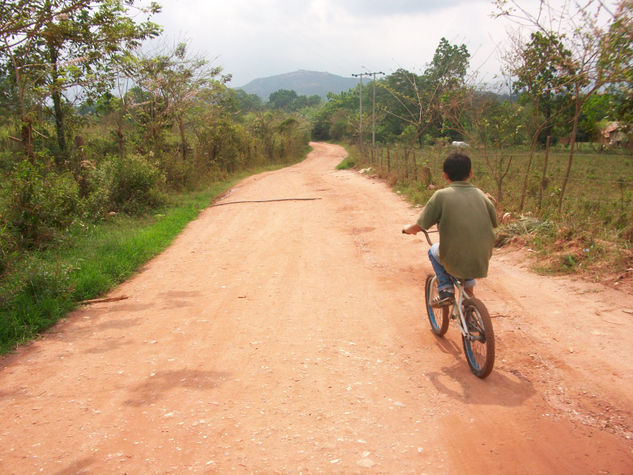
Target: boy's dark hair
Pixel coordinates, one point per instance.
(457, 166)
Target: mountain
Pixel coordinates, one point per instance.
(304, 83)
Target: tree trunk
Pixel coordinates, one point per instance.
(27, 122)
(406, 164)
(58, 110)
(526, 177)
(544, 177)
(572, 146)
(120, 137)
(27, 139)
(535, 138)
(183, 137)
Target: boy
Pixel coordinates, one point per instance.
(465, 218)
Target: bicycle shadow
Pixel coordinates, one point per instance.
(456, 381)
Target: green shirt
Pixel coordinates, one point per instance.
(465, 218)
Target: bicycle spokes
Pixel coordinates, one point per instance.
(475, 326)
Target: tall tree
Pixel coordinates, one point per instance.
(539, 78)
(69, 45)
(416, 98)
(282, 99)
(173, 82)
(599, 38)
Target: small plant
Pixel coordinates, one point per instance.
(346, 164)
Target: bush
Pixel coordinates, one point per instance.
(8, 247)
(32, 300)
(36, 202)
(225, 146)
(131, 185)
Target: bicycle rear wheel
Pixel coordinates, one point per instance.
(479, 343)
(438, 317)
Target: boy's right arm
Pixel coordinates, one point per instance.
(412, 229)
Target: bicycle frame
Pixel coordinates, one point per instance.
(476, 331)
(457, 312)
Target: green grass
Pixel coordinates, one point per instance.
(42, 287)
(346, 164)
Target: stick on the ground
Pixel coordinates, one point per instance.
(107, 299)
(263, 201)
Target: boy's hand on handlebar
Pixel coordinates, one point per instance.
(411, 229)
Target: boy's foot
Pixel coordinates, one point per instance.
(444, 299)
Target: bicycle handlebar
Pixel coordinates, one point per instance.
(426, 235)
(428, 238)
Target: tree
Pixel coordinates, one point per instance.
(173, 81)
(20, 23)
(488, 124)
(415, 99)
(597, 111)
(600, 42)
(248, 102)
(539, 78)
(282, 99)
(23, 19)
(68, 45)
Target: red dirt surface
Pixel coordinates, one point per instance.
(290, 336)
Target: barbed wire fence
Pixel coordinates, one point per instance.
(600, 188)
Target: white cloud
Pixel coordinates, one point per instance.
(256, 38)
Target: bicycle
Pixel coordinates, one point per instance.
(472, 318)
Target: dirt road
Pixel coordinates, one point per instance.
(289, 336)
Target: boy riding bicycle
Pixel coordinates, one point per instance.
(465, 218)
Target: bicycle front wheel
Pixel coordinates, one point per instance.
(479, 342)
(438, 317)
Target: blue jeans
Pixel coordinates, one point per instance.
(444, 281)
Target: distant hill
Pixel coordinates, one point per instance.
(304, 83)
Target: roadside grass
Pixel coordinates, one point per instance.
(349, 161)
(41, 287)
(592, 235)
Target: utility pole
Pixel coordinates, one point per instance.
(373, 112)
(360, 118)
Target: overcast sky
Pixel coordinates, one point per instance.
(260, 38)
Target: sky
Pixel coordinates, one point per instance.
(250, 39)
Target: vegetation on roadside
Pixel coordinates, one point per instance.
(555, 149)
(592, 234)
(100, 140)
(90, 259)
(106, 150)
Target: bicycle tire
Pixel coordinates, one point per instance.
(479, 343)
(438, 317)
